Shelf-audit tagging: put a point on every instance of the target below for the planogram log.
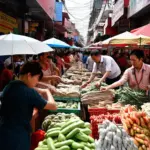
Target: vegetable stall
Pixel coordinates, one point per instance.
(118, 119)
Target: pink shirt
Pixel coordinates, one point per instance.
(136, 79)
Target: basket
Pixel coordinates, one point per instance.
(67, 110)
(97, 111)
(76, 99)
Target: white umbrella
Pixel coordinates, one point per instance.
(13, 44)
(53, 42)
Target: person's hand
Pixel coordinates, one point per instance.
(52, 89)
(84, 85)
(98, 84)
(57, 78)
(102, 89)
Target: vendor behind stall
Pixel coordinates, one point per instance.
(107, 66)
(18, 101)
(137, 76)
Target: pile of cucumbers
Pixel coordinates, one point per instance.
(72, 135)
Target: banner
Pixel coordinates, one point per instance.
(58, 11)
(118, 11)
(137, 5)
(48, 6)
(7, 23)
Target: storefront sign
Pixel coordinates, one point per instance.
(68, 25)
(58, 11)
(137, 5)
(7, 23)
(48, 6)
(118, 11)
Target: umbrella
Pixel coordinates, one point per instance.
(144, 30)
(75, 47)
(123, 38)
(13, 44)
(55, 43)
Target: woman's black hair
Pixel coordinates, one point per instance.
(95, 53)
(32, 67)
(138, 53)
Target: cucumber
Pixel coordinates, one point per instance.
(53, 134)
(86, 148)
(53, 129)
(72, 133)
(87, 125)
(86, 131)
(76, 145)
(50, 144)
(60, 144)
(86, 144)
(72, 126)
(64, 148)
(61, 137)
(68, 123)
(41, 148)
(40, 143)
(90, 139)
(93, 145)
(83, 137)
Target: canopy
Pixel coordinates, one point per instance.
(144, 30)
(55, 43)
(75, 47)
(13, 44)
(127, 38)
(123, 38)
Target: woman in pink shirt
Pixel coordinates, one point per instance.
(137, 76)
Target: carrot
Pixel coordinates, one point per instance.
(144, 147)
(146, 120)
(136, 129)
(143, 123)
(136, 142)
(127, 123)
(131, 132)
(142, 136)
(140, 148)
(146, 131)
(130, 120)
(139, 140)
(146, 143)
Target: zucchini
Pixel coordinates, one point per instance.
(86, 131)
(72, 133)
(53, 134)
(40, 143)
(76, 145)
(93, 145)
(60, 144)
(43, 146)
(86, 148)
(50, 144)
(72, 126)
(83, 137)
(64, 148)
(61, 137)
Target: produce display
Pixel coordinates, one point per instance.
(146, 108)
(70, 105)
(52, 120)
(113, 137)
(94, 97)
(137, 124)
(130, 96)
(71, 91)
(71, 135)
(111, 117)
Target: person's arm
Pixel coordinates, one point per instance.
(57, 70)
(48, 86)
(37, 101)
(122, 81)
(54, 77)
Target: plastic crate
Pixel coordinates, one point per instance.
(113, 111)
(76, 99)
(68, 111)
(97, 111)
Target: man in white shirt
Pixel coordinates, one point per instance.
(107, 66)
(89, 63)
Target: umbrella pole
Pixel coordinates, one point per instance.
(13, 67)
(140, 42)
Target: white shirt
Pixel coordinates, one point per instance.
(107, 64)
(90, 63)
(7, 62)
